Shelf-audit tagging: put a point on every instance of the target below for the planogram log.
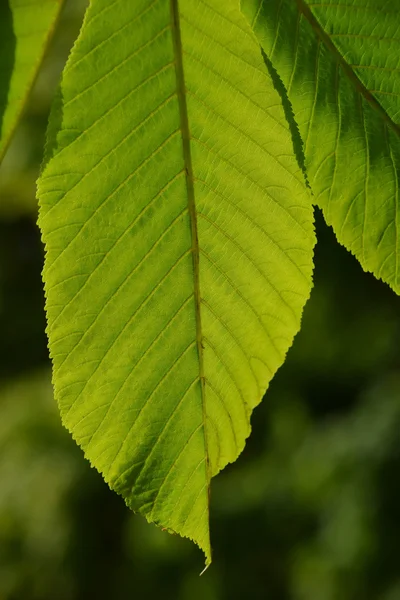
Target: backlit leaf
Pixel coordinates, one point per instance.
(26, 27)
(179, 237)
(340, 63)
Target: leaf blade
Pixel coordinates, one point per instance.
(26, 30)
(351, 140)
(144, 195)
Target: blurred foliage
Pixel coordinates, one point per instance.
(310, 511)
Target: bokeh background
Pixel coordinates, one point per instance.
(311, 509)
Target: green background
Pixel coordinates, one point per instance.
(311, 509)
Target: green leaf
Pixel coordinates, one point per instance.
(179, 239)
(339, 62)
(26, 27)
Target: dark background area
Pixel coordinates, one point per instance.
(310, 510)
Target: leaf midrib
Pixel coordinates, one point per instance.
(187, 157)
(306, 11)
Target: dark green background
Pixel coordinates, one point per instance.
(311, 509)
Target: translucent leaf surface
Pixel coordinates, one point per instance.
(339, 61)
(26, 27)
(179, 240)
